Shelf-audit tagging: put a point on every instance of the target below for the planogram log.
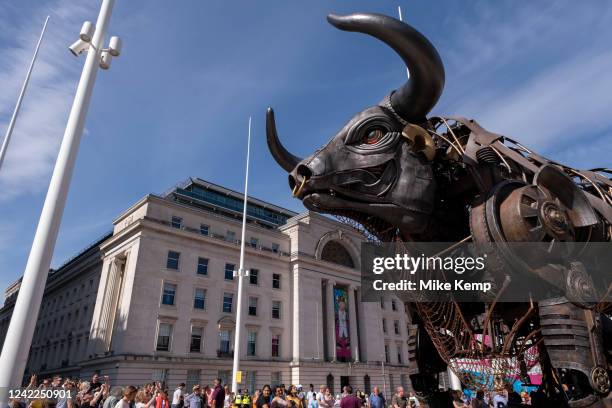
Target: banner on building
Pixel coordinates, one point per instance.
(341, 309)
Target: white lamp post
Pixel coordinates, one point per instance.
(25, 313)
(241, 274)
(399, 12)
(9, 129)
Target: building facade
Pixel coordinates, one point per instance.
(62, 329)
(163, 305)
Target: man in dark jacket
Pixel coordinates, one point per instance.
(218, 394)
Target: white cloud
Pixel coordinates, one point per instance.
(570, 99)
(540, 73)
(43, 115)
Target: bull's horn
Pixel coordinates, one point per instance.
(285, 159)
(421, 92)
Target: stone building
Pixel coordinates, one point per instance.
(164, 305)
(62, 329)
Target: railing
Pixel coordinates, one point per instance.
(233, 204)
(97, 242)
(225, 354)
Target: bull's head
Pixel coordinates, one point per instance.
(370, 171)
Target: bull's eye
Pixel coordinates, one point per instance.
(373, 136)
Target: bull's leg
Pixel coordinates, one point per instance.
(573, 340)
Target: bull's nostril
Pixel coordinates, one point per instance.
(292, 182)
(304, 171)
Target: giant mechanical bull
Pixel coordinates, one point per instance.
(401, 176)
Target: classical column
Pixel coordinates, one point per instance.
(331, 320)
(353, 323)
(110, 299)
(296, 314)
(111, 278)
(361, 327)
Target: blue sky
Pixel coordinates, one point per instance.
(176, 103)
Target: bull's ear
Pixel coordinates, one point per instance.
(413, 100)
(285, 159)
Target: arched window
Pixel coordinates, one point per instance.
(336, 253)
(330, 383)
(366, 384)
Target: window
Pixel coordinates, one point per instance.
(252, 306)
(163, 337)
(399, 353)
(229, 271)
(254, 276)
(204, 230)
(177, 222)
(387, 354)
(329, 380)
(193, 378)
(276, 309)
(336, 253)
(254, 242)
(275, 247)
(224, 341)
(367, 385)
(227, 302)
(276, 283)
(275, 378)
(159, 374)
(173, 260)
(396, 327)
(225, 376)
(404, 381)
(252, 381)
(196, 340)
(382, 303)
(393, 306)
(199, 299)
(202, 266)
(276, 345)
(251, 343)
(231, 236)
(169, 294)
(384, 324)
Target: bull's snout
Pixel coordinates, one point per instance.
(299, 176)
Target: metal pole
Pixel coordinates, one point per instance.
(9, 129)
(399, 12)
(241, 273)
(19, 335)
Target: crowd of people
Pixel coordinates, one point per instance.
(97, 393)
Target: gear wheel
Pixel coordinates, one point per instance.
(600, 380)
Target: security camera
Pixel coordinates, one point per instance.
(87, 31)
(106, 59)
(78, 47)
(114, 46)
